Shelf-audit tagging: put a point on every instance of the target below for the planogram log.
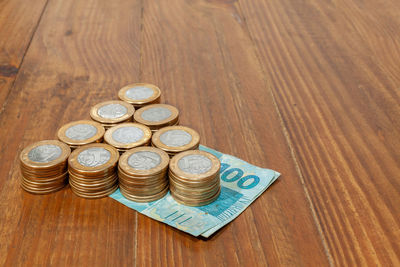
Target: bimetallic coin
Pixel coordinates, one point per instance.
(111, 112)
(156, 114)
(195, 164)
(144, 160)
(128, 135)
(45, 153)
(81, 131)
(78, 133)
(94, 156)
(139, 94)
(175, 138)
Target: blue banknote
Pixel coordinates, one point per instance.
(241, 184)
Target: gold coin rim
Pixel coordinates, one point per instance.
(94, 115)
(168, 121)
(192, 144)
(72, 142)
(156, 94)
(146, 137)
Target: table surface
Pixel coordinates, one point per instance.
(308, 88)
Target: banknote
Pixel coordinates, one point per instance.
(241, 184)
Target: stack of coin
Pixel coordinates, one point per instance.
(142, 173)
(92, 170)
(79, 133)
(157, 116)
(140, 94)
(110, 113)
(175, 139)
(44, 166)
(194, 178)
(128, 135)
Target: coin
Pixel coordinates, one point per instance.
(128, 135)
(112, 112)
(194, 177)
(140, 94)
(156, 116)
(78, 133)
(175, 139)
(142, 173)
(92, 170)
(43, 166)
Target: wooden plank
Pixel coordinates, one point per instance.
(334, 73)
(201, 56)
(82, 52)
(18, 21)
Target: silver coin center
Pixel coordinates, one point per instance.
(175, 138)
(112, 111)
(156, 114)
(45, 153)
(139, 93)
(94, 156)
(127, 135)
(81, 132)
(144, 160)
(195, 164)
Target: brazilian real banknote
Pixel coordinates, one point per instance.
(241, 184)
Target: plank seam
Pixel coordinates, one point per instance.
(289, 143)
(3, 107)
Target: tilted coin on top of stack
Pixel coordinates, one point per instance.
(44, 166)
(194, 178)
(140, 94)
(92, 170)
(128, 135)
(79, 133)
(157, 116)
(110, 113)
(142, 173)
(175, 139)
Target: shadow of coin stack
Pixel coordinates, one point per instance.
(142, 173)
(92, 170)
(44, 166)
(194, 178)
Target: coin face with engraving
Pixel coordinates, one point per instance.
(128, 134)
(44, 154)
(175, 139)
(195, 164)
(111, 112)
(140, 94)
(81, 132)
(94, 156)
(144, 160)
(157, 116)
(125, 136)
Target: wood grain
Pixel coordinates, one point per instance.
(334, 75)
(308, 88)
(18, 23)
(82, 52)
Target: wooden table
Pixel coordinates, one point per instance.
(308, 88)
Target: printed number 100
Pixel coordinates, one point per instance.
(231, 175)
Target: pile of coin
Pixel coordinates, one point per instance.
(140, 94)
(142, 173)
(175, 139)
(79, 133)
(92, 170)
(44, 166)
(110, 113)
(157, 116)
(194, 178)
(128, 135)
